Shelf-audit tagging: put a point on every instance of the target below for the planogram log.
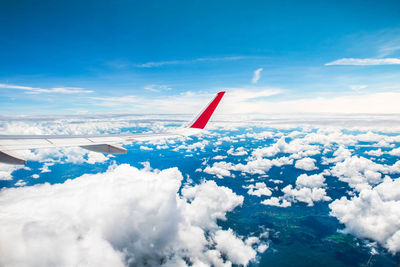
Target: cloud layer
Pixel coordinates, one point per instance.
(122, 216)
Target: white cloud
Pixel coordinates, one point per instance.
(305, 194)
(309, 189)
(307, 164)
(376, 152)
(361, 173)
(240, 151)
(20, 183)
(156, 88)
(358, 87)
(389, 48)
(366, 103)
(278, 202)
(139, 219)
(74, 155)
(253, 166)
(6, 170)
(282, 161)
(262, 248)
(259, 189)
(275, 181)
(79, 125)
(256, 75)
(55, 90)
(310, 181)
(395, 152)
(365, 61)
(220, 169)
(297, 147)
(233, 247)
(219, 157)
(94, 157)
(145, 148)
(189, 61)
(259, 136)
(253, 100)
(236, 100)
(114, 101)
(340, 154)
(256, 164)
(192, 147)
(374, 214)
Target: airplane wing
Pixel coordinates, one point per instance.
(107, 144)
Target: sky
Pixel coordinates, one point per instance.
(84, 57)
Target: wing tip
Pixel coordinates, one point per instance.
(202, 119)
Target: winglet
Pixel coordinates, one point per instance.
(201, 120)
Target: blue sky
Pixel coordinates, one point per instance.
(97, 53)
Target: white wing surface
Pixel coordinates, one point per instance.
(108, 144)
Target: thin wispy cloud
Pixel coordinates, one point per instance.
(157, 88)
(256, 75)
(389, 49)
(259, 100)
(189, 102)
(364, 61)
(189, 61)
(112, 101)
(55, 90)
(358, 87)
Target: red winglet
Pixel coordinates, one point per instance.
(203, 118)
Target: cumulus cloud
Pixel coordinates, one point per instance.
(220, 169)
(375, 152)
(7, 170)
(395, 152)
(360, 172)
(256, 165)
(233, 247)
(121, 217)
(307, 164)
(240, 151)
(310, 181)
(192, 147)
(374, 214)
(259, 136)
(298, 148)
(305, 194)
(256, 75)
(365, 61)
(219, 157)
(145, 148)
(309, 189)
(340, 154)
(276, 201)
(259, 189)
(74, 155)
